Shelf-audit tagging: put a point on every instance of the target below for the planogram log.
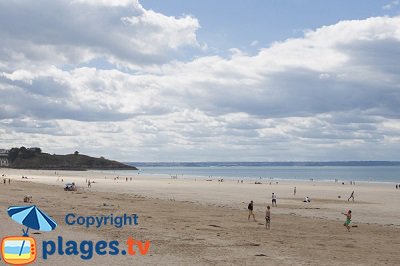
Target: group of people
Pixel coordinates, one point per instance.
(250, 208)
(398, 186)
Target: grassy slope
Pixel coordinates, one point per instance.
(67, 162)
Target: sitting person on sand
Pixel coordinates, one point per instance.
(348, 220)
(28, 199)
(306, 199)
(268, 218)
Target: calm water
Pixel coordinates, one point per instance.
(322, 173)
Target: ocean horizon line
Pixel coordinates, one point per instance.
(261, 163)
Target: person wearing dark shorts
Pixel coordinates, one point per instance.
(274, 200)
(250, 208)
(268, 218)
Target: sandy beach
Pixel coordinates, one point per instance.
(197, 222)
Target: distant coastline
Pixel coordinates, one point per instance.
(227, 164)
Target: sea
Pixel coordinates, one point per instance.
(366, 172)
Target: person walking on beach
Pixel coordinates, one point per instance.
(268, 218)
(274, 200)
(351, 196)
(250, 208)
(348, 220)
(89, 184)
(294, 191)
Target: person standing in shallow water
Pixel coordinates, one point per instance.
(250, 208)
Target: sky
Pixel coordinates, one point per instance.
(278, 80)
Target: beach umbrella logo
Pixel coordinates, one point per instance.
(32, 217)
(19, 250)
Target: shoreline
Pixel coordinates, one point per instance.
(231, 178)
(207, 172)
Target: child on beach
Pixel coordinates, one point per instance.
(268, 218)
(348, 220)
(250, 208)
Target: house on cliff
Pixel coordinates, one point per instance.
(4, 158)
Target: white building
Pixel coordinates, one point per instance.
(3, 158)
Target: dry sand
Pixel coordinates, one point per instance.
(199, 222)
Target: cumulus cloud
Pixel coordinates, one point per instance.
(65, 32)
(103, 77)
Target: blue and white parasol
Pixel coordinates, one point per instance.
(31, 217)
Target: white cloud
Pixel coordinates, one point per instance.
(391, 5)
(80, 31)
(111, 81)
(254, 43)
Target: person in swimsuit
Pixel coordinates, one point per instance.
(348, 220)
(250, 208)
(268, 218)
